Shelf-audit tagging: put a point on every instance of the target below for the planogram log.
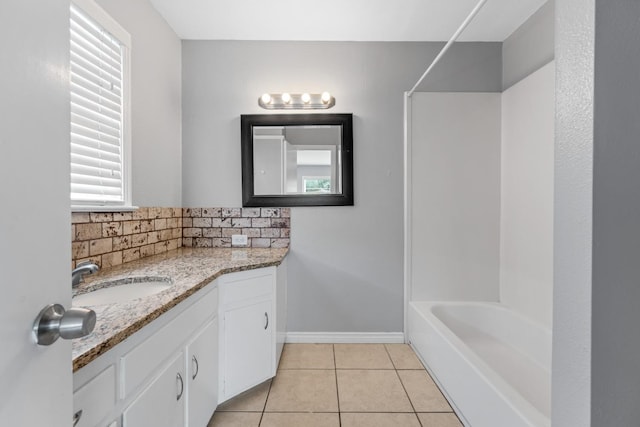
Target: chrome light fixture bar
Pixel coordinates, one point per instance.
(296, 101)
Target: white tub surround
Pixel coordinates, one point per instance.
(526, 195)
(484, 235)
(454, 187)
(493, 363)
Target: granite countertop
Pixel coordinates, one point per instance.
(190, 269)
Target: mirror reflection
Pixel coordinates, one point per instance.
(300, 160)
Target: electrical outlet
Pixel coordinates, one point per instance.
(239, 240)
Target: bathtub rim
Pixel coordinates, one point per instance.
(541, 328)
(512, 398)
(443, 390)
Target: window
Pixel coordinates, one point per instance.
(100, 125)
(316, 184)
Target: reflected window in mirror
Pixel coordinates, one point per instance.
(297, 159)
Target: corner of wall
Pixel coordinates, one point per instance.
(529, 47)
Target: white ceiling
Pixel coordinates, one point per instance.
(343, 20)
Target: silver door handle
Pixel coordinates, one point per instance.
(197, 367)
(55, 322)
(76, 417)
(266, 317)
(179, 378)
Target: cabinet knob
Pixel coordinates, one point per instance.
(181, 382)
(266, 318)
(196, 366)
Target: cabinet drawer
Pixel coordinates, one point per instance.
(142, 361)
(248, 284)
(96, 398)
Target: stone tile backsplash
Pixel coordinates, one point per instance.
(213, 227)
(113, 238)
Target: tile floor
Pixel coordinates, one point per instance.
(342, 385)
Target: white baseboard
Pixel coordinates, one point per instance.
(345, 337)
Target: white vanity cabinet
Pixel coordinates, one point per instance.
(219, 342)
(167, 373)
(248, 346)
(247, 330)
(252, 318)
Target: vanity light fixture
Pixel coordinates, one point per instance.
(296, 101)
(265, 98)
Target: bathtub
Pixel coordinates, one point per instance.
(492, 363)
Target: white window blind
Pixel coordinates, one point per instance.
(98, 169)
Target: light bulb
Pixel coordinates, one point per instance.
(306, 98)
(286, 98)
(266, 98)
(326, 97)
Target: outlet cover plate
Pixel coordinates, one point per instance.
(239, 240)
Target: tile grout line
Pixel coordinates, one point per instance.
(264, 408)
(374, 369)
(300, 412)
(403, 387)
(390, 358)
(335, 372)
(424, 368)
(409, 397)
(401, 383)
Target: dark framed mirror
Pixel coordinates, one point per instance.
(297, 160)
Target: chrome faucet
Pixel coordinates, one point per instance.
(82, 269)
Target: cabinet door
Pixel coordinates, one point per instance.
(281, 309)
(202, 362)
(161, 404)
(248, 347)
(93, 401)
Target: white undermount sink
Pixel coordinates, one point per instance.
(119, 291)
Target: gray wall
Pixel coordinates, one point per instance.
(529, 47)
(615, 381)
(346, 263)
(156, 103)
(571, 364)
